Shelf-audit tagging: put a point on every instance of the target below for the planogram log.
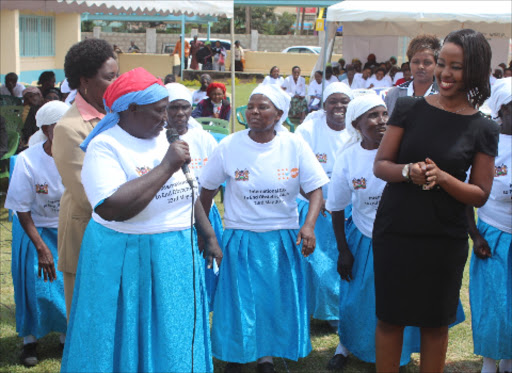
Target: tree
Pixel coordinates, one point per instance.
(87, 26)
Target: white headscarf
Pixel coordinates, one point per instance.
(279, 98)
(337, 87)
(357, 107)
(48, 114)
(64, 88)
(331, 89)
(178, 91)
(501, 94)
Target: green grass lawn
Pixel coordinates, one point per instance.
(460, 356)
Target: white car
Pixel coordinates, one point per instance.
(302, 49)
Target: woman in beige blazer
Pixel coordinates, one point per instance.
(90, 67)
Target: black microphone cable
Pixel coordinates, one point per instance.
(172, 136)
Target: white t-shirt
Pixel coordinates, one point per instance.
(36, 186)
(314, 91)
(17, 91)
(269, 80)
(383, 83)
(332, 79)
(497, 211)
(293, 88)
(399, 75)
(359, 82)
(325, 143)
(113, 158)
(198, 96)
(353, 182)
(262, 180)
(201, 145)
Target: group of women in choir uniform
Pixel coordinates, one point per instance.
(382, 191)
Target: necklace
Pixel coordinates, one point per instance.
(454, 112)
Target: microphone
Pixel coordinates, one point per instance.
(172, 136)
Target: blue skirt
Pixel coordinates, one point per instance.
(357, 307)
(323, 280)
(260, 306)
(490, 296)
(40, 306)
(211, 278)
(133, 305)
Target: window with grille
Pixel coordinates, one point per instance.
(37, 36)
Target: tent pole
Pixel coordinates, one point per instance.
(182, 59)
(208, 32)
(233, 107)
(324, 61)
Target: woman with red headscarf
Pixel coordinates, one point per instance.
(215, 105)
(140, 300)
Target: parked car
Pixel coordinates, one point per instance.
(302, 49)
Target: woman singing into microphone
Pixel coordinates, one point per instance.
(140, 301)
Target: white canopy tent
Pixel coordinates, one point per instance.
(376, 26)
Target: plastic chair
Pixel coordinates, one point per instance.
(12, 116)
(240, 115)
(7, 100)
(215, 125)
(13, 140)
(242, 119)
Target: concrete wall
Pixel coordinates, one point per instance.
(157, 64)
(262, 62)
(269, 43)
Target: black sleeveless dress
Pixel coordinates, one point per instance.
(420, 238)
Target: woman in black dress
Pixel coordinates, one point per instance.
(420, 234)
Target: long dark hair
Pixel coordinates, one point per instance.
(476, 63)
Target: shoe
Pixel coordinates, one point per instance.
(61, 347)
(265, 368)
(233, 368)
(337, 362)
(29, 355)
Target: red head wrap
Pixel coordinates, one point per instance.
(215, 85)
(132, 81)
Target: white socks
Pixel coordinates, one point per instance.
(265, 359)
(489, 365)
(505, 365)
(29, 339)
(341, 350)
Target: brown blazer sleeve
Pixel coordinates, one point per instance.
(75, 209)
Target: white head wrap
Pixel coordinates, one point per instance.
(178, 91)
(64, 87)
(331, 89)
(48, 114)
(357, 107)
(501, 94)
(279, 98)
(337, 87)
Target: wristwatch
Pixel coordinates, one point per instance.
(406, 171)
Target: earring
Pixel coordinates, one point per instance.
(85, 92)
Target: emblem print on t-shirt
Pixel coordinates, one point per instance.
(197, 163)
(322, 157)
(42, 188)
(142, 170)
(500, 170)
(284, 174)
(359, 183)
(242, 175)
